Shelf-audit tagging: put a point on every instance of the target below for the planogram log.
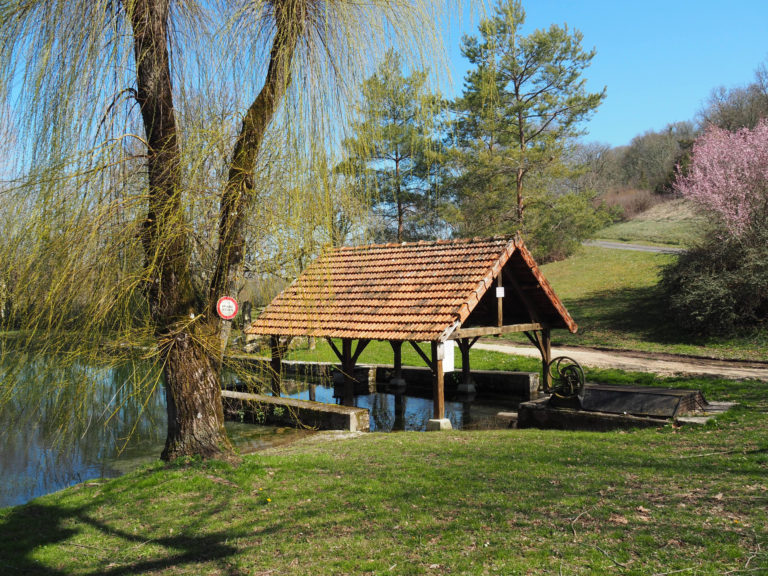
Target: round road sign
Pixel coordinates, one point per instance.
(227, 307)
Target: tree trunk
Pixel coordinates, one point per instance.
(192, 384)
(239, 194)
(191, 350)
(195, 412)
(520, 204)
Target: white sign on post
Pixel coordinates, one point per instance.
(226, 307)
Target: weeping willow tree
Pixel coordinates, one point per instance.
(142, 136)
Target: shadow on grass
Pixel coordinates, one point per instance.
(26, 531)
(638, 312)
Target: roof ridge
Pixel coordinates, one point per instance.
(436, 242)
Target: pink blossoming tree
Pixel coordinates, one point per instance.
(728, 177)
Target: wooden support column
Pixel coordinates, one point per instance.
(347, 365)
(397, 350)
(435, 362)
(438, 391)
(348, 361)
(276, 364)
(348, 373)
(542, 340)
(500, 300)
(467, 385)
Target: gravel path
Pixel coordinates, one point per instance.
(661, 364)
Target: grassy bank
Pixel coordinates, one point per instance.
(613, 296)
(672, 223)
(690, 500)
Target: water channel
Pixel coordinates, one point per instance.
(66, 426)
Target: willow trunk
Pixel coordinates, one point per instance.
(192, 375)
(189, 331)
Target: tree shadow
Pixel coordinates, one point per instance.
(26, 530)
(640, 311)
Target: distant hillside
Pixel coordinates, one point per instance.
(672, 223)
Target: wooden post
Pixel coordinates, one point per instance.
(397, 350)
(467, 386)
(439, 383)
(348, 369)
(276, 364)
(500, 300)
(546, 357)
(346, 360)
(542, 340)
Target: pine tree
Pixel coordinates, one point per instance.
(395, 149)
(523, 102)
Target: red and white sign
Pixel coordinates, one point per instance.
(226, 307)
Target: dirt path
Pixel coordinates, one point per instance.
(662, 364)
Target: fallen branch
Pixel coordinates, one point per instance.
(573, 529)
(609, 558)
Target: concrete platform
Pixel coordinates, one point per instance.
(610, 407)
(260, 409)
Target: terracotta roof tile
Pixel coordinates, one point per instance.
(409, 291)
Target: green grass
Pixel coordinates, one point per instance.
(613, 296)
(693, 500)
(671, 223)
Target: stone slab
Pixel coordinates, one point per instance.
(273, 410)
(437, 424)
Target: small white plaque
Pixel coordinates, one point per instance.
(499, 291)
(448, 363)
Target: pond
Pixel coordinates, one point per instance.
(394, 410)
(65, 426)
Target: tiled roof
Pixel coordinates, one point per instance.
(410, 291)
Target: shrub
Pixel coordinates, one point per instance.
(720, 286)
(557, 225)
(723, 284)
(629, 202)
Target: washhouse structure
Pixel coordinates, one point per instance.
(435, 292)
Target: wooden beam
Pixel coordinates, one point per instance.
(421, 353)
(361, 344)
(335, 349)
(493, 330)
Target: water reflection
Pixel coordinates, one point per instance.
(394, 409)
(64, 425)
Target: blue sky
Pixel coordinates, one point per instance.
(659, 60)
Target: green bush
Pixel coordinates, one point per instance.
(720, 286)
(556, 225)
